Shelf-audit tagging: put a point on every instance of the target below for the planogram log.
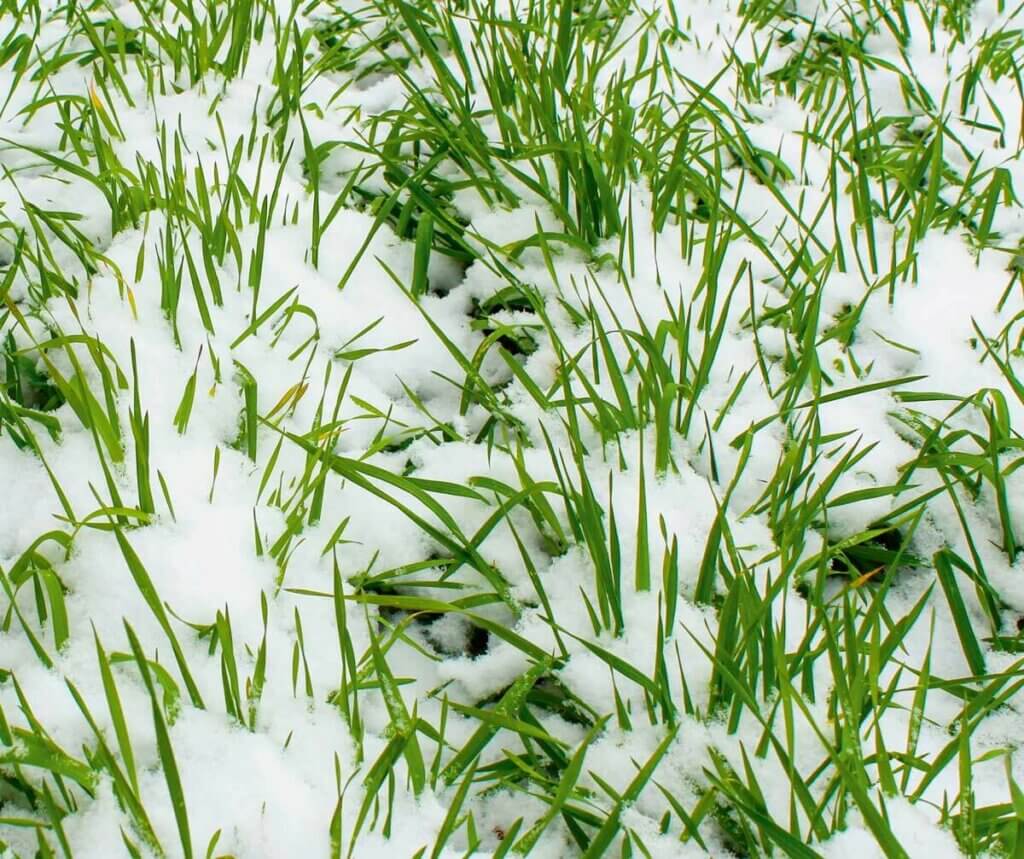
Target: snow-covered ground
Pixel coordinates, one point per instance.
(511, 427)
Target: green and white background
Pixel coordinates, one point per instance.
(511, 427)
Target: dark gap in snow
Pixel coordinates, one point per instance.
(453, 636)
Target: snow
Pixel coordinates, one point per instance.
(272, 791)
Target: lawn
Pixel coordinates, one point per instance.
(563, 428)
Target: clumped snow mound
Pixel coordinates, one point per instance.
(588, 428)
